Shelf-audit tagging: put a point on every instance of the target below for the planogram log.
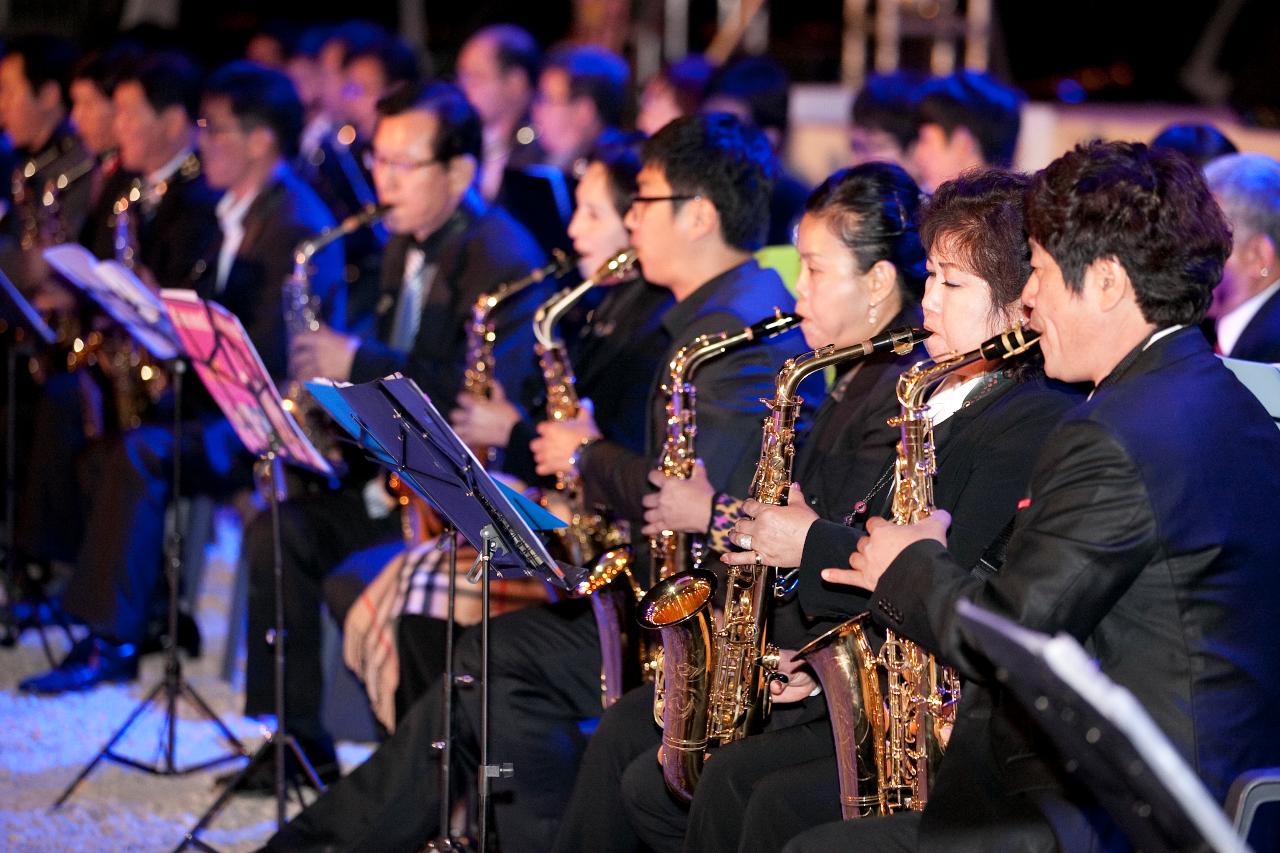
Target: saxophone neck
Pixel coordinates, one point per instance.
(303, 252)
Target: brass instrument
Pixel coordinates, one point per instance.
(302, 315)
(889, 742)
(717, 684)
(478, 378)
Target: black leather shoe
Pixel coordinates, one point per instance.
(91, 662)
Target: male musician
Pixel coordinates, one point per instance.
(581, 93)
(35, 73)
(449, 248)
(251, 118)
(1246, 304)
(1133, 539)
(965, 120)
(701, 209)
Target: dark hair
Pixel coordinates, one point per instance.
(594, 73)
(874, 209)
(980, 217)
(687, 78)
(761, 84)
(977, 102)
(725, 161)
(355, 36)
(619, 153)
(1148, 209)
(45, 59)
(168, 79)
(396, 59)
(885, 103)
(310, 41)
(458, 133)
(106, 68)
(1200, 142)
(514, 48)
(260, 97)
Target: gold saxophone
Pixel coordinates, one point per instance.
(302, 315)
(717, 681)
(890, 741)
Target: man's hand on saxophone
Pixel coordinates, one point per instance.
(323, 352)
(772, 535)
(555, 449)
(882, 545)
(485, 422)
(679, 504)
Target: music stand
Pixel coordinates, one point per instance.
(1106, 737)
(29, 330)
(141, 314)
(232, 371)
(500, 524)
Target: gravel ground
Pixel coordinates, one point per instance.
(44, 743)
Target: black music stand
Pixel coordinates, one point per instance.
(28, 331)
(1107, 739)
(417, 443)
(141, 314)
(232, 371)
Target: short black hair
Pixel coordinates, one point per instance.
(396, 58)
(1200, 142)
(761, 84)
(106, 68)
(459, 132)
(1150, 210)
(687, 78)
(354, 36)
(260, 97)
(45, 59)
(885, 103)
(988, 109)
(514, 48)
(168, 79)
(729, 163)
(981, 217)
(620, 155)
(594, 73)
(874, 209)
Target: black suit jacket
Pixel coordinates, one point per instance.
(1157, 555)
(1260, 340)
(283, 214)
(985, 452)
(477, 250)
(178, 238)
(730, 389)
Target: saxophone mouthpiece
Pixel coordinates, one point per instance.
(1009, 343)
(901, 340)
(775, 325)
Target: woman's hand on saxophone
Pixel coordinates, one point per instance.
(800, 682)
(882, 545)
(323, 352)
(772, 535)
(558, 441)
(680, 505)
(485, 423)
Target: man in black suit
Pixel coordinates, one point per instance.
(1154, 554)
(449, 247)
(1246, 304)
(701, 209)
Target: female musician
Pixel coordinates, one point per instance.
(990, 419)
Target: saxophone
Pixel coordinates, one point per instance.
(717, 681)
(889, 741)
(478, 378)
(302, 315)
(588, 533)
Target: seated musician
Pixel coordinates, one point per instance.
(1133, 537)
(990, 419)
(701, 211)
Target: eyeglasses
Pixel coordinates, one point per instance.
(203, 126)
(396, 168)
(646, 199)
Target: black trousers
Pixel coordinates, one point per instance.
(544, 674)
(51, 508)
(318, 531)
(895, 834)
(120, 558)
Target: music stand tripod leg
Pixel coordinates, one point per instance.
(173, 684)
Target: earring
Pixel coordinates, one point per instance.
(1262, 273)
(873, 313)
